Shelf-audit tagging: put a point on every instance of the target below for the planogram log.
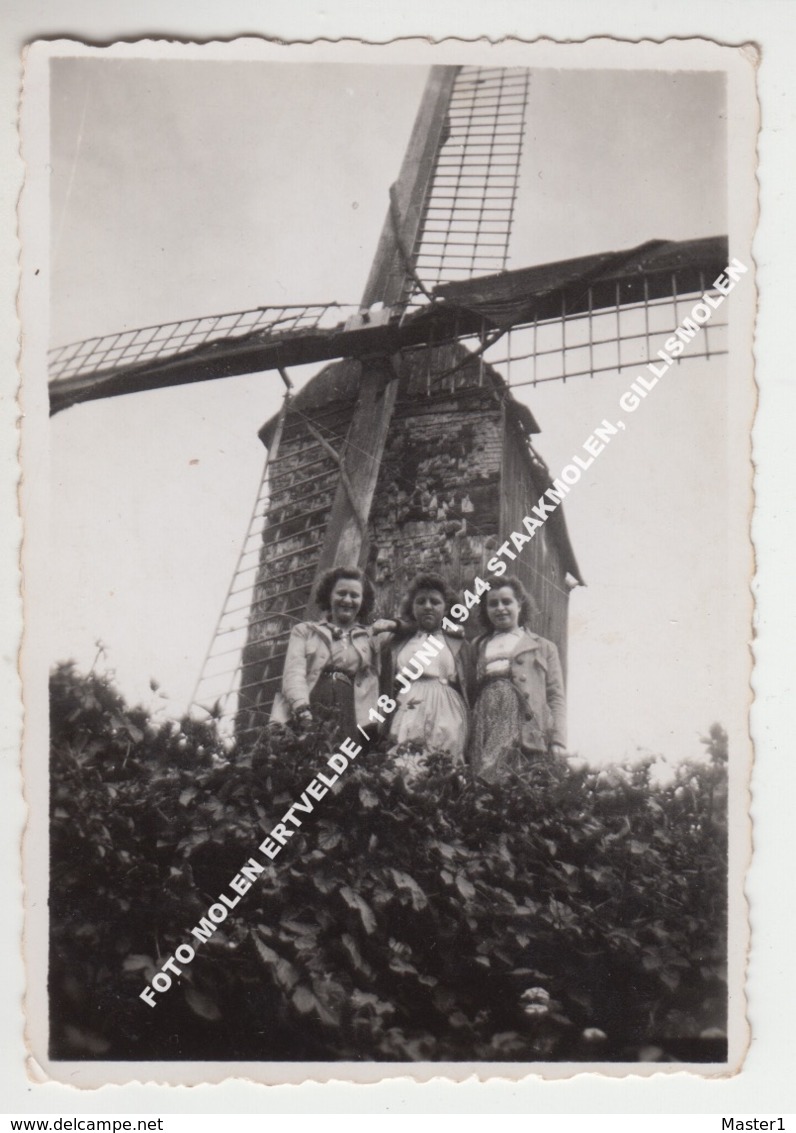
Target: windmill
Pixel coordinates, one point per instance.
(412, 451)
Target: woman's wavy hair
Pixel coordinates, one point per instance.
(529, 611)
(425, 581)
(326, 583)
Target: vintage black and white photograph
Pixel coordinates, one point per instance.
(392, 572)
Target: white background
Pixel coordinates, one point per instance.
(765, 1084)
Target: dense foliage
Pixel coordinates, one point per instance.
(416, 914)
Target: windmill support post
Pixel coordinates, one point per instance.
(388, 274)
(344, 542)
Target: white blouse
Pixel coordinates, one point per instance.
(498, 651)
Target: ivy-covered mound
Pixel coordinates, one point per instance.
(416, 914)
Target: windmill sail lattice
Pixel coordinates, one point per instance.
(469, 211)
(600, 292)
(462, 229)
(273, 577)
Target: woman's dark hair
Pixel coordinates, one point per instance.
(425, 582)
(529, 611)
(326, 584)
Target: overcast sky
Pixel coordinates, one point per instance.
(189, 188)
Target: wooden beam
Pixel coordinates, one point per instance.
(388, 274)
(345, 540)
(514, 298)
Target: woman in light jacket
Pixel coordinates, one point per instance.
(519, 715)
(427, 671)
(332, 665)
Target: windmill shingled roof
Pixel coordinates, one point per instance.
(338, 381)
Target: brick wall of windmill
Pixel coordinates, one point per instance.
(436, 503)
(302, 478)
(455, 478)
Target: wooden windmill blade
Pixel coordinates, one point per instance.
(224, 345)
(216, 346)
(460, 107)
(269, 338)
(387, 284)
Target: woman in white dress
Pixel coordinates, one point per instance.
(427, 670)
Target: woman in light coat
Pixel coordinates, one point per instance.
(519, 715)
(332, 665)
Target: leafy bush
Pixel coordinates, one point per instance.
(416, 914)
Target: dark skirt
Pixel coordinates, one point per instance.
(332, 699)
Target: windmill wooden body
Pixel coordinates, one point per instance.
(456, 476)
(411, 453)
